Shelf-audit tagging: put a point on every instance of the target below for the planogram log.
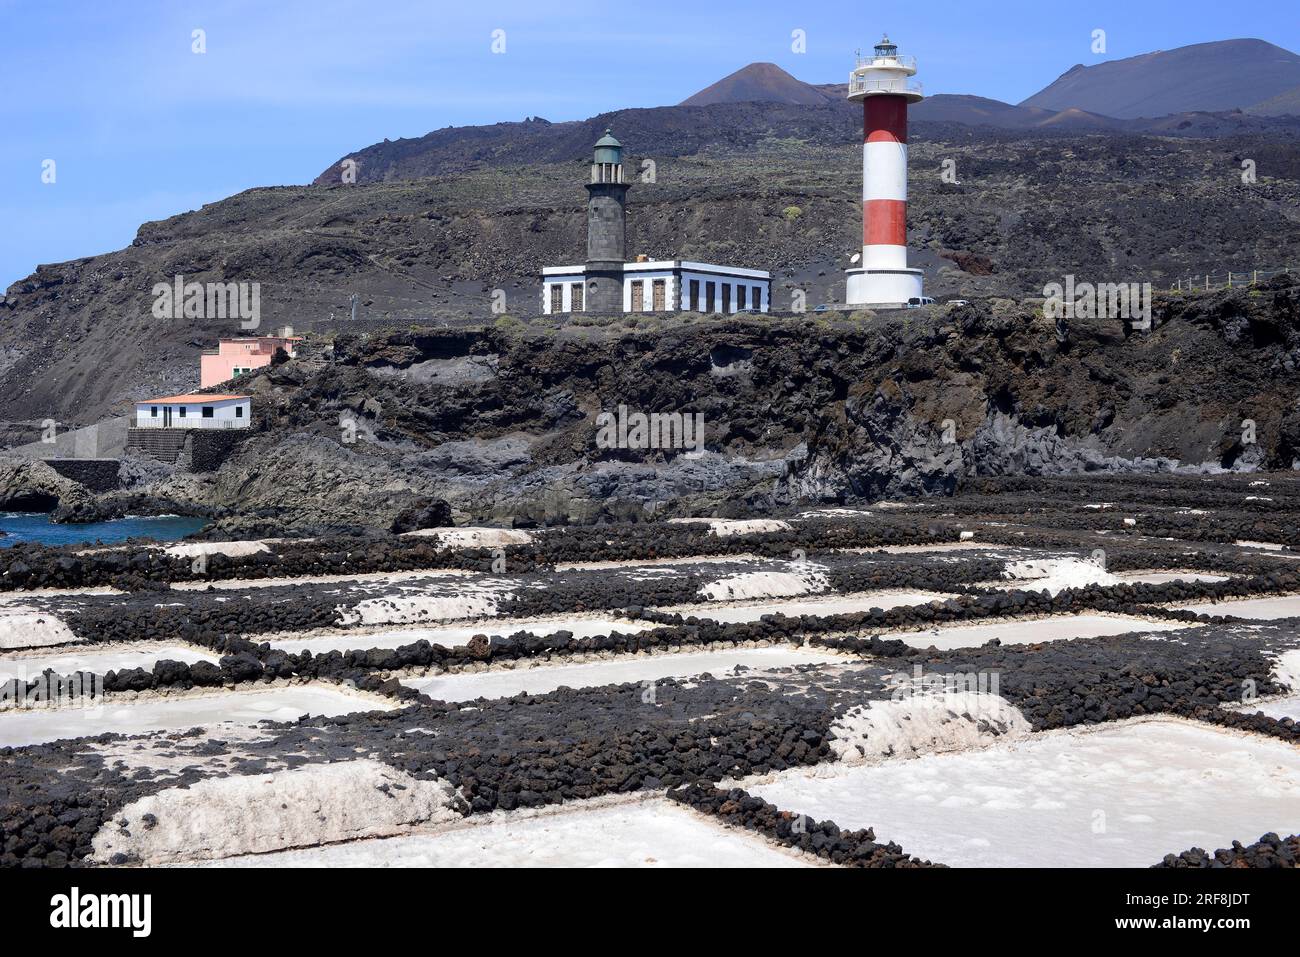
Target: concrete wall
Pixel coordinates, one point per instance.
(103, 440)
(566, 284)
(734, 282)
(647, 278)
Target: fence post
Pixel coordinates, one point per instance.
(1229, 278)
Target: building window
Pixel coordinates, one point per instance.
(557, 297)
(708, 297)
(182, 408)
(638, 296)
(726, 297)
(207, 412)
(239, 411)
(153, 411)
(695, 294)
(577, 300)
(659, 294)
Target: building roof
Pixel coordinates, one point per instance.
(673, 265)
(259, 338)
(608, 139)
(189, 399)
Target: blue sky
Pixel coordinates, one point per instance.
(140, 127)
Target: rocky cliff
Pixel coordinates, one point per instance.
(502, 422)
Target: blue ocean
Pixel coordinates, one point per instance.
(37, 527)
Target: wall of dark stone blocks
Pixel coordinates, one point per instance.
(98, 475)
(210, 447)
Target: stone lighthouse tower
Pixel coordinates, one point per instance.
(882, 82)
(606, 228)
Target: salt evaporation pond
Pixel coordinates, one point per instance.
(833, 605)
(1119, 796)
(1025, 632)
(453, 635)
(543, 679)
(1163, 578)
(40, 725)
(1260, 609)
(98, 662)
(652, 834)
(1287, 707)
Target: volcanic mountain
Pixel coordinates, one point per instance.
(1224, 75)
(759, 83)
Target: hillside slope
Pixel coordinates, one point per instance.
(1223, 75)
(1027, 209)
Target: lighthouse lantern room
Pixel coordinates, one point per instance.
(882, 81)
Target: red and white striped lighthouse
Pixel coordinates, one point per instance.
(882, 82)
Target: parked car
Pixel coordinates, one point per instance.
(959, 302)
(916, 302)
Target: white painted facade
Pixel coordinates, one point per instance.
(687, 286)
(194, 412)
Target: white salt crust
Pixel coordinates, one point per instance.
(473, 537)
(253, 814)
(924, 722)
(229, 549)
(726, 527)
(804, 578)
(23, 627)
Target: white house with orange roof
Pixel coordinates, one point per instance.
(194, 412)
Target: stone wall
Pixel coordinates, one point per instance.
(208, 448)
(98, 475)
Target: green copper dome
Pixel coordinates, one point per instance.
(608, 149)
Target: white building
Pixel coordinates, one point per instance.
(666, 285)
(660, 286)
(194, 412)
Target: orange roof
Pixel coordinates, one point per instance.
(191, 399)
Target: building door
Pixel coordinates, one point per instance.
(576, 300)
(726, 297)
(167, 416)
(695, 295)
(557, 298)
(638, 296)
(708, 297)
(659, 294)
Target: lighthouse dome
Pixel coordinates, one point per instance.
(608, 150)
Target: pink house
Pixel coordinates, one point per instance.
(235, 356)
